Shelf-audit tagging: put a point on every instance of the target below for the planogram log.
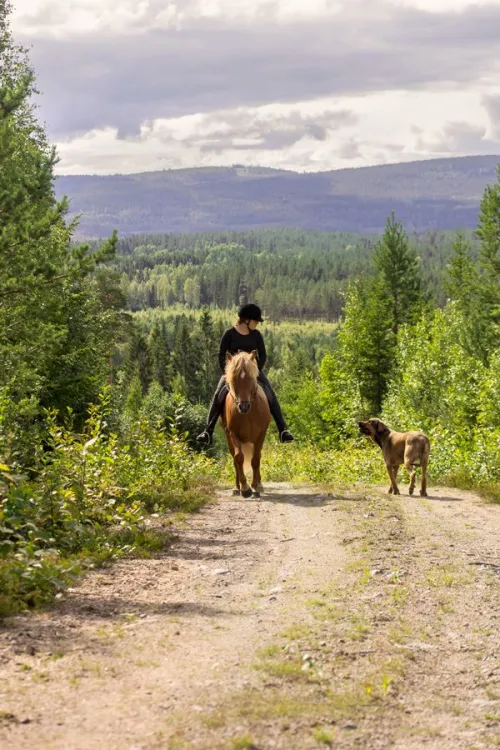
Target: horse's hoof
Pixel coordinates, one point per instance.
(256, 494)
(410, 492)
(247, 493)
(236, 492)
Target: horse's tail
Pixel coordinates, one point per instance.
(248, 451)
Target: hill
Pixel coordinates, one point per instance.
(433, 194)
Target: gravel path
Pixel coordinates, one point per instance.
(307, 619)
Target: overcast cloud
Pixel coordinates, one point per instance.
(136, 84)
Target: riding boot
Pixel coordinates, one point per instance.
(285, 435)
(206, 436)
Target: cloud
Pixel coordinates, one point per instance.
(459, 138)
(201, 64)
(491, 103)
(349, 150)
(264, 129)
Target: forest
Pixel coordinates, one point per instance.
(293, 274)
(109, 359)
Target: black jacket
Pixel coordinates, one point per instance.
(234, 342)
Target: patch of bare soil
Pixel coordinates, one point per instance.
(305, 619)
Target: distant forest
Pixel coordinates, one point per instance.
(291, 273)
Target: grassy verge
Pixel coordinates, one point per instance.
(355, 463)
(92, 499)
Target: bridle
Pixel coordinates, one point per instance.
(238, 400)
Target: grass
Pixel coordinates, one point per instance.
(359, 630)
(287, 670)
(461, 479)
(323, 736)
(295, 632)
(243, 743)
(448, 576)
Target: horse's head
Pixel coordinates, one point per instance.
(241, 377)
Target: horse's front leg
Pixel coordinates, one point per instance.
(241, 480)
(230, 445)
(256, 478)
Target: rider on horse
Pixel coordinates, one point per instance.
(244, 337)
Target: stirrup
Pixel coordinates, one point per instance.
(205, 438)
(286, 437)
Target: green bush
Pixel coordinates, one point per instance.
(88, 499)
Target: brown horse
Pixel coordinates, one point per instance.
(245, 419)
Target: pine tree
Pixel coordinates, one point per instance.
(140, 361)
(207, 348)
(463, 285)
(184, 360)
(398, 266)
(366, 341)
(46, 292)
(159, 353)
(489, 260)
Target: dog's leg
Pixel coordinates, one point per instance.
(423, 486)
(395, 488)
(410, 468)
(393, 473)
(412, 480)
(389, 491)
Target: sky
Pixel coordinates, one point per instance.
(136, 85)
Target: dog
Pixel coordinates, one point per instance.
(409, 448)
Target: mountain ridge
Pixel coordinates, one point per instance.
(429, 194)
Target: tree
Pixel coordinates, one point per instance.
(463, 284)
(192, 292)
(366, 341)
(398, 266)
(207, 348)
(489, 260)
(159, 353)
(185, 362)
(138, 361)
(46, 289)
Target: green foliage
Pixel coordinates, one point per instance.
(354, 462)
(340, 399)
(89, 496)
(489, 260)
(291, 274)
(398, 267)
(57, 319)
(366, 341)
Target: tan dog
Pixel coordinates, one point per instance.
(409, 448)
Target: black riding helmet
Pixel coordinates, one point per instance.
(250, 312)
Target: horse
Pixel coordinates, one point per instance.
(245, 419)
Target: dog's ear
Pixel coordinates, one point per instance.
(380, 427)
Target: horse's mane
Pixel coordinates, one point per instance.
(237, 365)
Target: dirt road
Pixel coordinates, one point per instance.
(306, 619)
